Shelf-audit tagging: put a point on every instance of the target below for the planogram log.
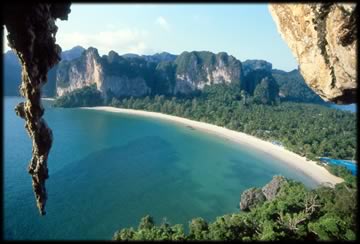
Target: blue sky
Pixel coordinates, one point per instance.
(245, 31)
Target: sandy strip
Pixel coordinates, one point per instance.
(310, 168)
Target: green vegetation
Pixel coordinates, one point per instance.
(297, 213)
(87, 96)
(307, 129)
(196, 64)
(310, 130)
(293, 87)
(342, 172)
(266, 92)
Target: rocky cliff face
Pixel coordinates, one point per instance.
(251, 65)
(250, 198)
(73, 53)
(12, 73)
(271, 189)
(110, 73)
(79, 73)
(135, 75)
(139, 75)
(157, 57)
(257, 74)
(323, 39)
(255, 196)
(197, 69)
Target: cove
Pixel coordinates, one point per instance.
(108, 170)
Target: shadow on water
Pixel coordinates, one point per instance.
(257, 174)
(113, 188)
(117, 183)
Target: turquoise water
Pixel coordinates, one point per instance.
(108, 170)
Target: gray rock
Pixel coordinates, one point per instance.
(271, 189)
(250, 198)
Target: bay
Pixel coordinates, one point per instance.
(108, 170)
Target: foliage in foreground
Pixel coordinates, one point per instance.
(297, 213)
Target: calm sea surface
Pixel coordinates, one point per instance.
(108, 170)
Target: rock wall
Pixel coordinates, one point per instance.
(31, 34)
(197, 69)
(323, 39)
(136, 76)
(110, 73)
(86, 71)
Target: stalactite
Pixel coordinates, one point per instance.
(32, 30)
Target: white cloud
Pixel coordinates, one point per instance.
(120, 40)
(163, 23)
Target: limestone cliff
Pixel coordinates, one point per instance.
(108, 73)
(255, 73)
(255, 65)
(131, 75)
(323, 39)
(197, 69)
(82, 72)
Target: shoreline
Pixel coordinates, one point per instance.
(310, 168)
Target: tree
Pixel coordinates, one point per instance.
(198, 229)
(296, 213)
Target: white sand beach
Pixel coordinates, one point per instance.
(310, 168)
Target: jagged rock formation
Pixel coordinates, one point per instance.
(271, 189)
(73, 53)
(111, 73)
(250, 198)
(12, 73)
(259, 82)
(197, 69)
(86, 71)
(251, 65)
(160, 78)
(258, 72)
(322, 37)
(32, 30)
(157, 57)
(254, 196)
(133, 75)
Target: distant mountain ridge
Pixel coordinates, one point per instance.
(73, 53)
(157, 57)
(161, 73)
